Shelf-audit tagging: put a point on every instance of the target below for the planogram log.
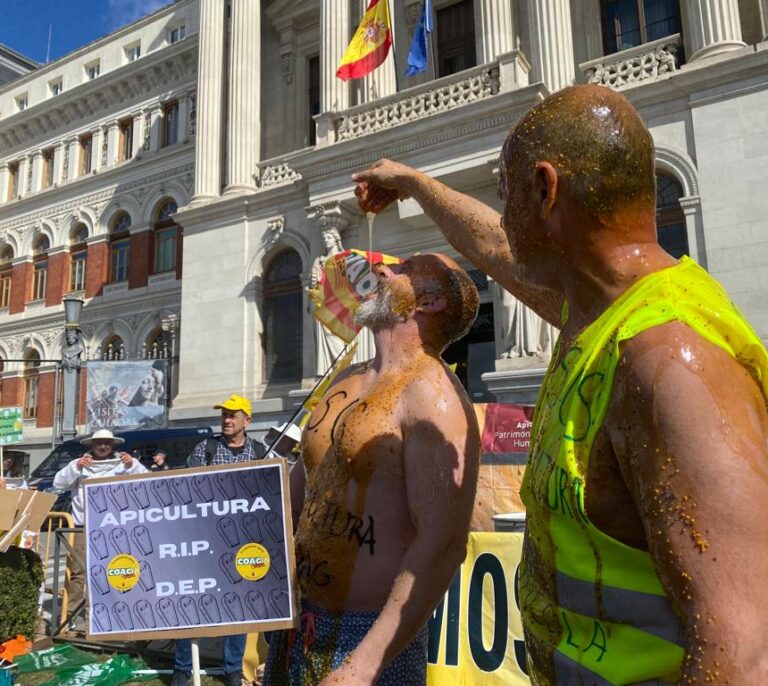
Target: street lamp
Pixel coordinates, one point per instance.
(72, 307)
(71, 350)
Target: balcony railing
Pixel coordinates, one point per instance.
(419, 102)
(510, 71)
(641, 63)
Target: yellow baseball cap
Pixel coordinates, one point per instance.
(235, 403)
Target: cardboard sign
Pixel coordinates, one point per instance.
(476, 633)
(22, 509)
(206, 551)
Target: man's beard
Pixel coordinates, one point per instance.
(377, 313)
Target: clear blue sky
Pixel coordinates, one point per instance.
(24, 23)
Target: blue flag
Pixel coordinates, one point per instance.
(417, 55)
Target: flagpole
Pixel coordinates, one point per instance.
(428, 8)
(394, 50)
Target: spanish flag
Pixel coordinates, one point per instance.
(370, 45)
(345, 281)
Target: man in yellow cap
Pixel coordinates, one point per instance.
(231, 446)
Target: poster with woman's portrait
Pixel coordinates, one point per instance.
(124, 395)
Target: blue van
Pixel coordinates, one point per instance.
(142, 444)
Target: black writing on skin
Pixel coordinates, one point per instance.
(337, 399)
(329, 519)
(314, 572)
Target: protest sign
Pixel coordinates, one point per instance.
(124, 395)
(192, 552)
(505, 437)
(476, 633)
(11, 425)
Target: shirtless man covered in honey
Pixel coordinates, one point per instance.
(385, 489)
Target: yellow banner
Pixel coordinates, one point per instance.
(475, 634)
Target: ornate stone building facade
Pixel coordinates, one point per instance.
(267, 136)
(96, 154)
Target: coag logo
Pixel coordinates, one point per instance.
(123, 572)
(252, 561)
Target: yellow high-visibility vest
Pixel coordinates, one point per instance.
(593, 608)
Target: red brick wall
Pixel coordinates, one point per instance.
(45, 399)
(97, 268)
(58, 278)
(141, 257)
(12, 389)
(21, 283)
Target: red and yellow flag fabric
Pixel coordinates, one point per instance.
(370, 45)
(345, 281)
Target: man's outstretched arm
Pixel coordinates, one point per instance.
(469, 225)
(441, 455)
(690, 429)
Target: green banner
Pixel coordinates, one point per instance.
(60, 658)
(11, 425)
(119, 669)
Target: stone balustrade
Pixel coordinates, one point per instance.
(419, 102)
(647, 61)
(275, 172)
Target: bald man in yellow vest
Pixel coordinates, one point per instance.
(645, 559)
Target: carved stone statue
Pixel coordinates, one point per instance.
(327, 344)
(520, 332)
(72, 350)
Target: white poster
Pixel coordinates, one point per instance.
(124, 395)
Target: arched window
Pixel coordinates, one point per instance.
(40, 267)
(114, 349)
(119, 247)
(670, 218)
(157, 347)
(77, 257)
(282, 318)
(166, 233)
(6, 258)
(31, 383)
(2, 369)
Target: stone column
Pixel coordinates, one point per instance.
(293, 63)
(156, 123)
(58, 162)
(210, 101)
(98, 151)
(4, 180)
(244, 110)
(334, 38)
(138, 122)
(494, 27)
(711, 27)
(764, 18)
(551, 36)
(71, 168)
(25, 175)
(113, 131)
(37, 172)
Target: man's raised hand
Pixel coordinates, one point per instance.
(380, 185)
